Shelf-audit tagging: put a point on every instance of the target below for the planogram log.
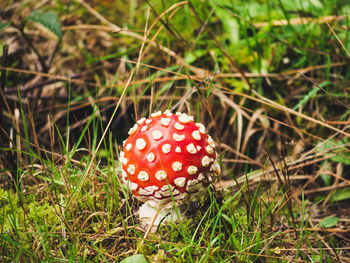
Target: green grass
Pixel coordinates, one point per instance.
(270, 87)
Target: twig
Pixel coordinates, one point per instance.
(36, 85)
(42, 74)
(299, 21)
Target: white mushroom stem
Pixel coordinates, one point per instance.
(149, 228)
(151, 215)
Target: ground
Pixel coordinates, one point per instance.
(268, 79)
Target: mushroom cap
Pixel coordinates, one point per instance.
(168, 155)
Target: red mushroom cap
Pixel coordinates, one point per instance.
(168, 152)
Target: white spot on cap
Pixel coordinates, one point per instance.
(156, 114)
(166, 148)
(184, 118)
(140, 144)
(133, 129)
(123, 160)
(157, 195)
(151, 188)
(178, 149)
(211, 141)
(180, 182)
(140, 121)
(150, 157)
(209, 149)
(165, 122)
(131, 169)
(161, 175)
(144, 128)
(179, 126)
(167, 187)
(168, 190)
(191, 148)
(215, 168)
(201, 127)
(200, 177)
(143, 176)
(178, 137)
(133, 186)
(128, 147)
(192, 169)
(144, 192)
(125, 179)
(124, 143)
(124, 176)
(191, 184)
(157, 134)
(166, 193)
(178, 113)
(177, 166)
(176, 192)
(168, 113)
(198, 148)
(206, 161)
(148, 121)
(196, 135)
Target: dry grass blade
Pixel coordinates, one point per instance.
(339, 41)
(300, 21)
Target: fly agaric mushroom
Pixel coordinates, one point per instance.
(167, 159)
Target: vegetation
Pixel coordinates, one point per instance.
(268, 78)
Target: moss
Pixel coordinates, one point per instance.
(43, 214)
